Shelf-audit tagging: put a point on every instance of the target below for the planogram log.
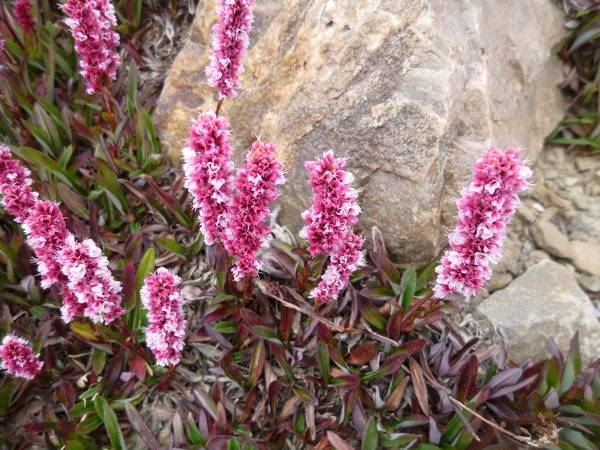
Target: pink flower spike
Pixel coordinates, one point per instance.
(46, 232)
(484, 211)
(207, 167)
(334, 207)
(162, 298)
(18, 358)
(92, 24)
(90, 280)
(22, 11)
(15, 182)
(346, 260)
(230, 41)
(246, 231)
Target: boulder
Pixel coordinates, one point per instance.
(411, 91)
(545, 302)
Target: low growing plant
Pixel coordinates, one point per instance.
(313, 344)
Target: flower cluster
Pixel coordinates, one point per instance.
(230, 41)
(208, 166)
(166, 322)
(334, 208)
(80, 270)
(329, 223)
(256, 183)
(91, 23)
(347, 259)
(90, 280)
(22, 11)
(484, 210)
(46, 232)
(15, 186)
(18, 358)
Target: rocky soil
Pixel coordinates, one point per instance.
(559, 221)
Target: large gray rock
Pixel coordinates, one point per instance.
(412, 91)
(545, 302)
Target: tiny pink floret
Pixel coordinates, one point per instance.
(334, 208)
(92, 24)
(208, 172)
(23, 13)
(165, 333)
(256, 184)
(90, 280)
(229, 45)
(484, 211)
(18, 358)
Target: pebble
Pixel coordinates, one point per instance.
(585, 163)
(589, 283)
(586, 257)
(526, 214)
(548, 237)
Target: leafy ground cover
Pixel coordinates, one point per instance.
(581, 55)
(382, 367)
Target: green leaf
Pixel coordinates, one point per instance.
(585, 38)
(6, 393)
(84, 330)
(136, 315)
(426, 275)
(72, 201)
(409, 281)
(43, 161)
(233, 444)
(324, 362)
(110, 183)
(372, 315)
(370, 436)
(172, 246)
(576, 438)
(111, 423)
(266, 333)
(194, 435)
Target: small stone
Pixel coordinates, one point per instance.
(582, 203)
(499, 281)
(535, 257)
(586, 257)
(545, 302)
(585, 163)
(548, 237)
(571, 181)
(589, 283)
(526, 214)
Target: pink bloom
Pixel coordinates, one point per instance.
(207, 166)
(18, 358)
(46, 234)
(15, 182)
(334, 207)
(484, 211)
(22, 10)
(166, 321)
(90, 280)
(91, 23)
(345, 260)
(230, 41)
(256, 183)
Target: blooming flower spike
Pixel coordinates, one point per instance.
(346, 260)
(22, 11)
(18, 358)
(166, 322)
(334, 207)
(90, 280)
(207, 167)
(484, 210)
(256, 183)
(15, 186)
(92, 23)
(230, 41)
